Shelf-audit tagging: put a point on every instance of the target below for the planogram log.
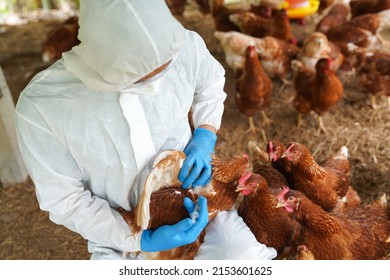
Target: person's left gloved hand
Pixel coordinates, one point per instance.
(196, 170)
(182, 233)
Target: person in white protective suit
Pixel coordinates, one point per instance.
(90, 126)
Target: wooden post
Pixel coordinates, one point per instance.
(12, 168)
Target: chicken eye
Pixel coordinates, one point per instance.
(291, 199)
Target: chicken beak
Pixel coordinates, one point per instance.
(280, 204)
(240, 188)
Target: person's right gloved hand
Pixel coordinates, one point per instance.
(182, 233)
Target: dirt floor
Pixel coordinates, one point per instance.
(27, 233)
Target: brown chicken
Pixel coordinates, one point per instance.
(336, 16)
(234, 45)
(254, 89)
(316, 91)
(361, 7)
(254, 25)
(275, 150)
(373, 74)
(340, 161)
(161, 201)
(276, 56)
(351, 200)
(324, 4)
(332, 236)
(60, 40)
(176, 7)
(316, 46)
(271, 226)
(324, 184)
(262, 166)
(203, 6)
(362, 31)
(221, 15)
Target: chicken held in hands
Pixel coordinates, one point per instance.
(332, 236)
(161, 201)
(254, 89)
(316, 91)
(324, 184)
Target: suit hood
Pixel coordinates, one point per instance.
(122, 41)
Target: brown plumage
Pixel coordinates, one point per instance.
(203, 6)
(261, 165)
(361, 7)
(303, 253)
(161, 201)
(351, 200)
(254, 25)
(336, 16)
(316, 91)
(271, 226)
(275, 150)
(373, 74)
(221, 15)
(324, 4)
(254, 88)
(332, 236)
(324, 184)
(362, 31)
(316, 46)
(176, 7)
(276, 56)
(60, 40)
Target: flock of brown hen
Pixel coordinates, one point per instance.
(344, 42)
(303, 209)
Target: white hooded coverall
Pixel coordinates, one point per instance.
(88, 132)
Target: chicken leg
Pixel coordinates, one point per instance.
(373, 102)
(252, 128)
(266, 120)
(321, 126)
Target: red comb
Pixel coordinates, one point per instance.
(283, 193)
(244, 177)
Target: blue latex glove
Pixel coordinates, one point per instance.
(182, 233)
(196, 170)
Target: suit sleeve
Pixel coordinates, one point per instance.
(208, 104)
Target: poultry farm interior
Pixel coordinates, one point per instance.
(351, 121)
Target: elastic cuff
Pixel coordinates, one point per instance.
(203, 132)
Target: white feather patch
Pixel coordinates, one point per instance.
(164, 173)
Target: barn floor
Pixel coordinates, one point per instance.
(27, 233)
